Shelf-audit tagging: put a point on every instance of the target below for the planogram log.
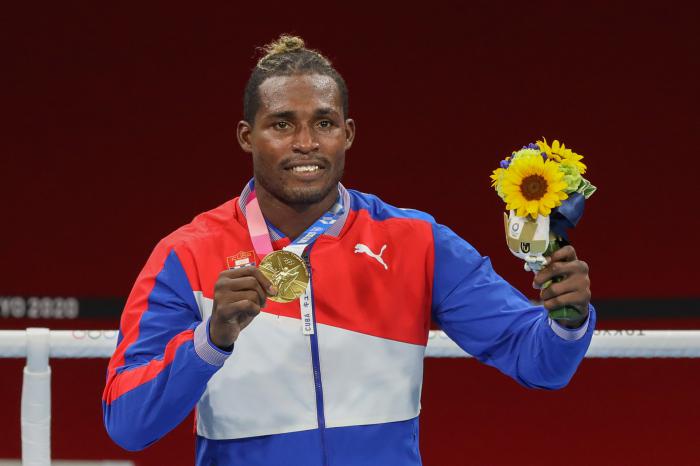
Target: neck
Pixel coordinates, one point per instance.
(292, 219)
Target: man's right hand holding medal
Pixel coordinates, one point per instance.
(239, 294)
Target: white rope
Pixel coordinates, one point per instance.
(605, 344)
(62, 343)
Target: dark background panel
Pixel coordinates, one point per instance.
(119, 126)
(53, 311)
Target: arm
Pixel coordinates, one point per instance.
(164, 357)
(495, 323)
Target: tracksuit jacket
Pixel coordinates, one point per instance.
(347, 395)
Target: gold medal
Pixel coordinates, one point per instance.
(288, 274)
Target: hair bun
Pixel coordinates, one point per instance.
(284, 44)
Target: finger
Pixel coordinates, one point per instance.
(552, 271)
(245, 271)
(576, 299)
(245, 283)
(569, 285)
(565, 254)
(559, 271)
(247, 319)
(251, 271)
(232, 303)
(247, 295)
(264, 282)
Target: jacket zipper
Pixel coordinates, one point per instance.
(316, 363)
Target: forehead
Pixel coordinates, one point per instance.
(298, 93)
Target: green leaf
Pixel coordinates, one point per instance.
(586, 188)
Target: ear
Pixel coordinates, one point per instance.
(349, 132)
(243, 133)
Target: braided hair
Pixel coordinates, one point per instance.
(285, 57)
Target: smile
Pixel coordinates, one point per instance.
(306, 169)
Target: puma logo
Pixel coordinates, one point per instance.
(364, 249)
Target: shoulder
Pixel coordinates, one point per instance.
(206, 228)
(379, 210)
(445, 240)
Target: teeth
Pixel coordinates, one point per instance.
(305, 168)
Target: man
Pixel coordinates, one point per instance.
(333, 377)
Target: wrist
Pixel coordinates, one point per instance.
(573, 324)
(220, 336)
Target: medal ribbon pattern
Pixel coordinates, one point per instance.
(260, 236)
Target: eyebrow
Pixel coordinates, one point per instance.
(289, 114)
(324, 111)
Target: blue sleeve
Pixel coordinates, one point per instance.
(495, 323)
(164, 356)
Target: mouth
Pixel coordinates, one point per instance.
(306, 170)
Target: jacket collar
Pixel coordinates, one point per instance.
(334, 230)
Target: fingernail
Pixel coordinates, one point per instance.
(534, 285)
(272, 290)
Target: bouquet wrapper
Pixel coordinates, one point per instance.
(532, 240)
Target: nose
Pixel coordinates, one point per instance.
(304, 141)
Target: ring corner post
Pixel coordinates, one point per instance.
(36, 400)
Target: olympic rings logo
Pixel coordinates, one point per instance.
(94, 334)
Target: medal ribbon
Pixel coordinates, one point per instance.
(260, 235)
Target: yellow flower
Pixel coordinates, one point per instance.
(532, 186)
(496, 179)
(559, 153)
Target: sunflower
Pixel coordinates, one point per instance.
(496, 181)
(559, 153)
(496, 177)
(533, 186)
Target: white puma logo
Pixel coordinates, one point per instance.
(363, 249)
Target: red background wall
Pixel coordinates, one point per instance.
(118, 126)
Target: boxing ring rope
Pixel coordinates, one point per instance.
(37, 345)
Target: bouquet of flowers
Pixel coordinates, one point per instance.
(545, 192)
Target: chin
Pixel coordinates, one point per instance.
(299, 193)
(293, 191)
(304, 194)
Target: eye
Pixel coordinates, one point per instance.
(281, 125)
(325, 124)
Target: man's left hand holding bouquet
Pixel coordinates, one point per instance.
(574, 289)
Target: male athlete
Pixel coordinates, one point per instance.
(333, 377)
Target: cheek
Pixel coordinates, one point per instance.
(335, 147)
(267, 152)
